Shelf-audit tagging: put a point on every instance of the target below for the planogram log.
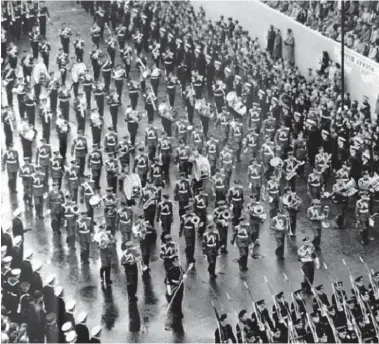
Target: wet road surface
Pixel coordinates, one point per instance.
(146, 320)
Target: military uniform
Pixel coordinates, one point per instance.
(188, 226)
(165, 215)
(141, 163)
(111, 168)
(242, 238)
(175, 289)
(39, 189)
(201, 205)
(149, 202)
(362, 214)
(182, 194)
(165, 149)
(80, 149)
(280, 226)
(26, 173)
(151, 141)
(110, 211)
(227, 163)
(211, 242)
(54, 202)
(130, 262)
(235, 198)
(315, 217)
(72, 175)
(11, 161)
(83, 228)
(255, 178)
(56, 170)
(95, 164)
(70, 217)
(124, 223)
(168, 252)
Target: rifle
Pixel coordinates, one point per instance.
(374, 286)
(218, 322)
(238, 320)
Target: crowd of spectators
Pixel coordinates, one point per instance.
(361, 21)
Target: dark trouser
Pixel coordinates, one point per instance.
(254, 234)
(256, 191)
(112, 182)
(190, 112)
(176, 306)
(87, 91)
(340, 218)
(70, 240)
(37, 91)
(133, 100)
(293, 220)
(79, 54)
(166, 221)
(96, 135)
(65, 109)
(100, 104)
(167, 126)
(202, 214)
(63, 75)
(105, 270)
(63, 145)
(34, 45)
(274, 205)
(280, 239)
(243, 251)
(149, 215)
(292, 183)
(205, 123)
(317, 238)
(12, 181)
(81, 161)
(66, 45)
(45, 58)
(237, 211)
(146, 251)
(53, 100)
(38, 204)
(166, 167)
(8, 137)
(364, 232)
(75, 88)
(183, 167)
(171, 99)
(28, 197)
(46, 132)
(190, 251)
(212, 259)
(119, 84)
(56, 222)
(107, 81)
(131, 273)
(132, 128)
(152, 151)
(84, 249)
(21, 106)
(223, 232)
(309, 274)
(114, 114)
(220, 195)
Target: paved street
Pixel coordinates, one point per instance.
(148, 322)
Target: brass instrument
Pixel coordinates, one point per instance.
(151, 95)
(96, 119)
(151, 200)
(293, 172)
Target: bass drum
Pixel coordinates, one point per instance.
(40, 73)
(201, 168)
(132, 186)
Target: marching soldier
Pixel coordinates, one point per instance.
(46, 116)
(118, 76)
(251, 143)
(362, 214)
(169, 251)
(141, 163)
(95, 164)
(151, 140)
(54, 202)
(221, 217)
(147, 236)
(79, 150)
(26, 172)
(182, 157)
(71, 212)
(341, 200)
(62, 62)
(280, 224)
(242, 238)
(126, 57)
(219, 185)
(322, 162)
(99, 94)
(314, 184)
(164, 151)
(11, 161)
(132, 118)
(255, 173)
(181, 130)
(235, 200)
(124, 149)
(39, 189)
(56, 169)
(79, 48)
(189, 224)
(290, 167)
(110, 210)
(212, 152)
(20, 89)
(309, 262)
(235, 137)
(121, 32)
(175, 288)
(256, 219)
(83, 228)
(130, 260)
(43, 157)
(72, 178)
(80, 110)
(65, 33)
(165, 215)
(87, 190)
(114, 104)
(227, 163)
(106, 244)
(112, 169)
(273, 190)
(124, 222)
(111, 140)
(149, 202)
(87, 88)
(182, 193)
(315, 216)
(156, 175)
(63, 128)
(201, 205)
(292, 203)
(211, 243)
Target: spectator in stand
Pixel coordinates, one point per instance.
(289, 48)
(270, 39)
(361, 21)
(277, 52)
